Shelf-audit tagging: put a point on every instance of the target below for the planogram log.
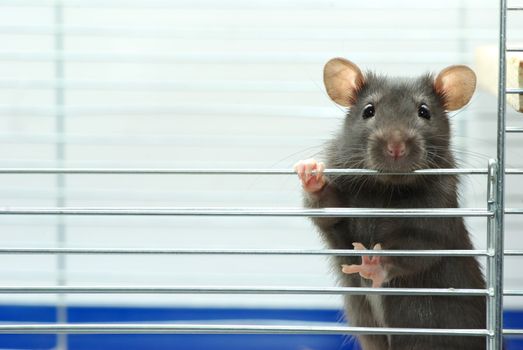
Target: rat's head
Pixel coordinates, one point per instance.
(396, 125)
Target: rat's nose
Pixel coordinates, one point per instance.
(396, 149)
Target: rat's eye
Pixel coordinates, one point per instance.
(423, 111)
(368, 111)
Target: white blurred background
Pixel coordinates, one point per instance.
(208, 84)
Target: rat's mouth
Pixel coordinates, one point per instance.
(400, 170)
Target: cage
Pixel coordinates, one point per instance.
(148, 200)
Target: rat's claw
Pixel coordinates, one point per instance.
(358, 246)
(366, 259)
(370, 258)
(319, 170)
(350, 269)
(365, 271)
(299, 168)
(312, 166)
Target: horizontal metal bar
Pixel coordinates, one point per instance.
(330, 252)
(270, 212)
(514, 91)
(513, 331)
(513, 252)
(514, 129)
(219, 57)
(515, 49)
(514, 8)
(148, 171)
(237, 290)
(514, 211)
(513, 292)
(155, 328)
(181, 171)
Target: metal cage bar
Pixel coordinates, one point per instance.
(495, 319)
(232, 171)
(267, 212)
(217, 171)
(491, 261)
(152, 328)
(236, 290)
(313, 252)
(513, 129)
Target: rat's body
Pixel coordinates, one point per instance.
(397, 134)
(417, 272)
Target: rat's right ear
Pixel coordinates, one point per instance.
(456, 84)
(342, 79)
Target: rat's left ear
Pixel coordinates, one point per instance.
(343, 79)
(456, 84)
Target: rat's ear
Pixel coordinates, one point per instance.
(342, 79)
(456, 84)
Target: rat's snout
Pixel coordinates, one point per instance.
(396, 147)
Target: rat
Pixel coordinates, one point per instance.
(397, 125)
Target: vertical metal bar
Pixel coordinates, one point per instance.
(491, 261)
(500, 181)
(61, 263)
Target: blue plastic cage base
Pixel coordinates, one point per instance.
(92, 314)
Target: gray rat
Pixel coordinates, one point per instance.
(397, 125)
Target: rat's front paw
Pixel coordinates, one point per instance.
(311, 182)
(370, 268)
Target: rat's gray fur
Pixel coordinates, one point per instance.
(359, 145)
